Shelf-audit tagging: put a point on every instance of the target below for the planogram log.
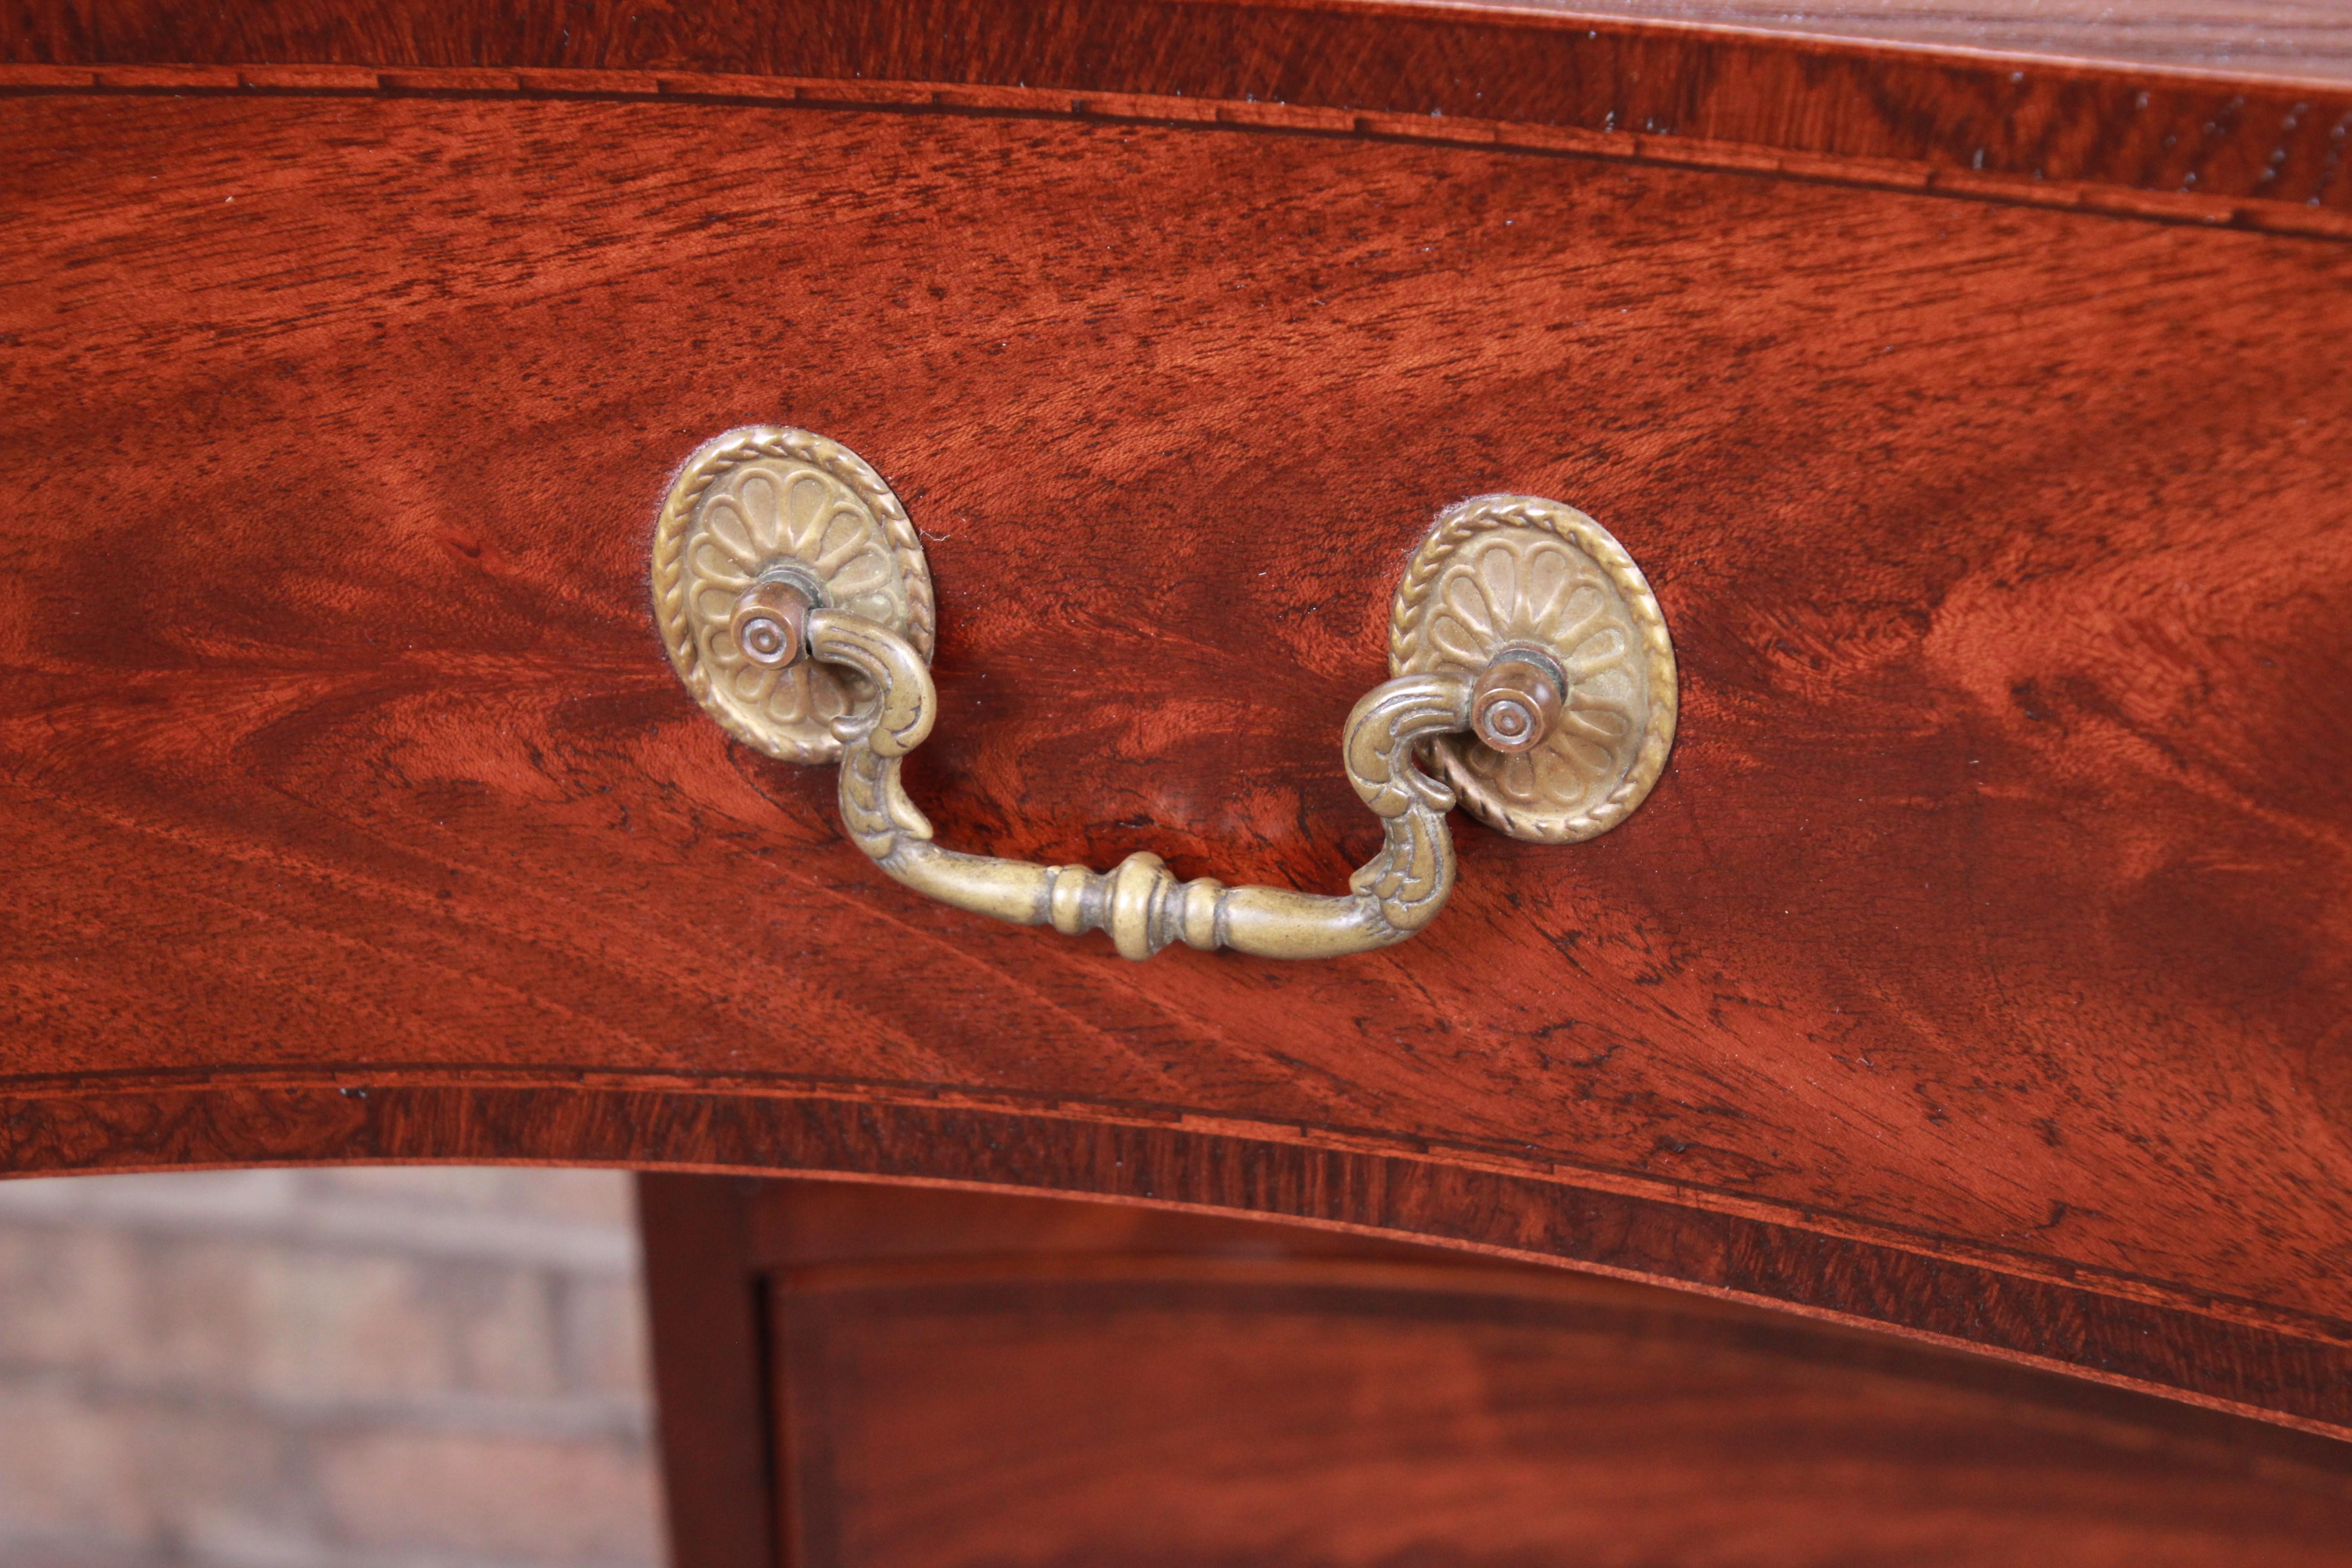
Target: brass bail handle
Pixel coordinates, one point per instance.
(1528, 660)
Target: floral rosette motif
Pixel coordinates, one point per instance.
(1505, 574)
(747, 502)
(756, 515)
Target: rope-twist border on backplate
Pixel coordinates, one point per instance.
(700, 471)
(1456, 527)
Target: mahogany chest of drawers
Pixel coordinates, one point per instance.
(1973, 968)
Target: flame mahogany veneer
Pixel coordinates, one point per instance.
(930, 1378)
(1977, 970)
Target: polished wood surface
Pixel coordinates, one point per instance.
(2303, 38)
(1978, 969)
(708, 1304)
(958, 1378)
(2294, 1370)
(2217, 149)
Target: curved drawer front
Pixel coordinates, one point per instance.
(1976, 966)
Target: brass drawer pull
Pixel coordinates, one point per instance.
(1527, 652)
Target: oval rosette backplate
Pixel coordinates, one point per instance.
(763, 498)
(1499, 574)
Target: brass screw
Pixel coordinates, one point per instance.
(1515, 702)
(771, 623)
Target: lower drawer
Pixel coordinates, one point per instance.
(954, 1379)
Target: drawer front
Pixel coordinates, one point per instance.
(1992, 911)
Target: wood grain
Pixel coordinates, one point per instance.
(708, 1310)
(1355, 1415)
(2007, 123)
(2303, 38)
(2229, 1356)
(1978, 968)
(962, 1379)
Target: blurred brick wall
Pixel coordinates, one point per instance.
(411, 1368)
